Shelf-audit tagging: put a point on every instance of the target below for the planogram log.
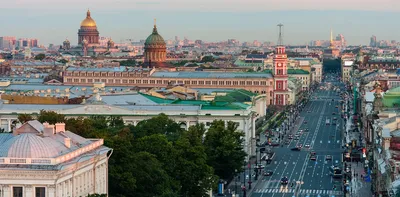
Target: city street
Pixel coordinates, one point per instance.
(308, 177)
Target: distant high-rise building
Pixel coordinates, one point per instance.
(372, 42)
(7, 42)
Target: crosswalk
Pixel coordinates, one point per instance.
(301, 191)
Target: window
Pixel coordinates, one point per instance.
(76, 80)
(235, 83)
(124, 81)
(69, 80)
(201, 82)
(152, 81)
(131, 81)
(187, 82)
(111, 81)
(165, 81)
(249, 83)
(138, 81)
(83, 80)
(103, 80)
(256, 83)
(90, 80)
(17, 191)
(221, 83)
(40, 192)
(208, 82)
(208, 124)
(118, 81)
(97, 80)
(214, 82)
(159, 81)
(145, 81)
(242, 83)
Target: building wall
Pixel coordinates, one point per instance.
(20, 99)
(90, 176)
(256, 85)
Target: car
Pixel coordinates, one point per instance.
(328, 157)
(333, 113)
(260, 166)
(313, 157)
(300, 146)
(274, 144)
(268, 173)
(296, 149)
(297, 135)
(296, 138)
(287, 142)
(284, 181)
(290, 137)
(305, 122)
(308, 111)
(306, 130)
(334, 118)
(336, 106)
(307, 146)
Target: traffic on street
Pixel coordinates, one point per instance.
(309, 161)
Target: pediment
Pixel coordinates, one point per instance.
(98, 110)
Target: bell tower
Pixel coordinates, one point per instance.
(280, 72)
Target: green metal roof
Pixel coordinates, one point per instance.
(213, 105)
(391, 97)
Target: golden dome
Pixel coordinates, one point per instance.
(88, 21)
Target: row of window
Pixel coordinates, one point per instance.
(19, 192)
(110, 74)
(166, 82)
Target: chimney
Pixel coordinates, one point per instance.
(67, 142)
(60, 127)
(48, 130)
(386, 143)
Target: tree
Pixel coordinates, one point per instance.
(97, 195)
(40, 56)
(160, 124)
(206, 59)
(63, 61)
(195, 175)
(224, 148)
(51, 117)
(22, 118)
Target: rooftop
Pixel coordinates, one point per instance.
(292, 71)
(108, 69)
(43, 144)
(213, 75)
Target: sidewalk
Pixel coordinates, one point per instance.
(360, 188)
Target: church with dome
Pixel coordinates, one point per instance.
(88, 41)
(155, 50)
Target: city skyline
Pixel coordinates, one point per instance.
(53, 23)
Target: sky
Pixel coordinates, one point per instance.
(52, 21)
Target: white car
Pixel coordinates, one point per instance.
(307, 146)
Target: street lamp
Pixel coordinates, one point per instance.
(237, 177)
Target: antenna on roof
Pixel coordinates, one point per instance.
(280, 37)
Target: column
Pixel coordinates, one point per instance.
(9, 124)
(6, 191)
(28, 191)
(51, 191)
(187, 125)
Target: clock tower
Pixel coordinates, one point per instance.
(280, 72)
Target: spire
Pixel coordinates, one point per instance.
(331, 36)
(280, 38)
(155, 27)
(88, 13)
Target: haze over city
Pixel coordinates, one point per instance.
(208, 20)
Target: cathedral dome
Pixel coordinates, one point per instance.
(88, 21)
(154, 38)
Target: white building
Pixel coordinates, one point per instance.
(316, 73)
(42, 160)
(136, 107)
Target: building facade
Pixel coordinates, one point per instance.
(280, 76)
(136, 107)
(43, 160)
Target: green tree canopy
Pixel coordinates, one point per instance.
(224, 148)
(51, 117)
(22, 118)
(206, 59)
(40, 56)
